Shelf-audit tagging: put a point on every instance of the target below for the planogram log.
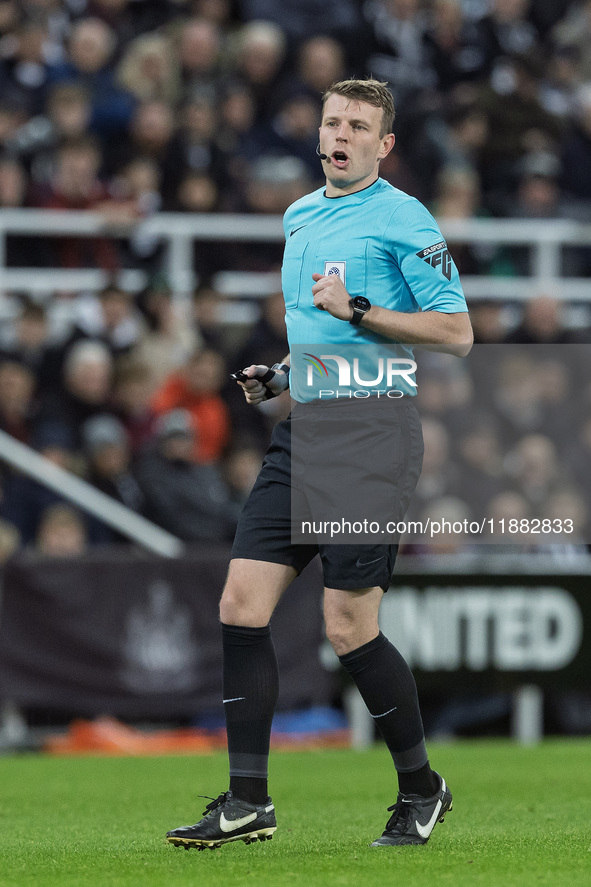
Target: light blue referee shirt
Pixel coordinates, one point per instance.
(384, 245)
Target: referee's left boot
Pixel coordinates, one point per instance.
(414, 817)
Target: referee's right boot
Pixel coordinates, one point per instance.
(227, 819)
(414, 817)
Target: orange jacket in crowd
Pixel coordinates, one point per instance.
(210, 415)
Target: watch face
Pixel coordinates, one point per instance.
(362, 303)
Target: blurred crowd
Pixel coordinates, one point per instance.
(134, 106)
(507, 435)
(131, 107)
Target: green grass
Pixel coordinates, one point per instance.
(521, 817)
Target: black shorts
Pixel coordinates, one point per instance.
(265, 527)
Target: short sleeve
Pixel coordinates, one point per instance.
(414, 240)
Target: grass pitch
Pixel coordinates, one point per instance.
(521, 817)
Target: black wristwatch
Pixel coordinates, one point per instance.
(360, 306)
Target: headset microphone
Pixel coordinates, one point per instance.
(322, 156)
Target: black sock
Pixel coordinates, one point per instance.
(419, 782)
(250, 688)
(252, 790)
(388, 689)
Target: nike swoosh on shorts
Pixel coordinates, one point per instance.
(361, 563)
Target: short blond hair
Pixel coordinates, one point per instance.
(374, 92)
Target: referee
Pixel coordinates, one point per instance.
(364, 265)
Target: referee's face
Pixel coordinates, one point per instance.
(350, 135)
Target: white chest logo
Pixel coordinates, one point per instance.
(337, 268)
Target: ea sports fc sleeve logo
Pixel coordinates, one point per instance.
(438, 257)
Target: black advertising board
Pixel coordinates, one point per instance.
(136, 635)
(481, 629)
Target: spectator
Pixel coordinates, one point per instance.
(259, 63)
(275, 182)
(562, 81)
(200, 151)
(168, 341)
(132, 392)
(220, 12)
(76, 185)
(148, 69)
(207, 308)
(241, 469)
(109, 317)
(506, 31)
(458, 197)
(11, 119)
(542, 323)
(17, 390)
(504, 507)
(518, 124)
(25, 499)
(66, 118)
(397, 50)
(439, 474)
(563, 507)
(266, 340)
(576, 149)
(517, 398)
(445, 512)
(481, 465)
(237, 116)
(560, 410)
(9, 16)
(61, 532)
(189, 500)
(292, 132)
(24, 73)
(136, 189)
(128, 19)
(91, 47)
(456, 139)
(196, 388)
(488, 321)
(268, 337)
(455, 51)
(21, 249)
(132, 18)
(320, 63)
(575, 30)
(28, 341)
(9, 541)
(305, 18)
(152, 135)
(107, 449)
(199, 53)
(538, 189)
(578, 458)
(86, 386)
(198, 193)
(536, 471)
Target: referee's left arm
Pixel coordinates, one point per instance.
(434, 330)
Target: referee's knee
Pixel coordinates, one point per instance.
(239, 606)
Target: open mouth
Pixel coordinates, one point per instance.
(339, 158)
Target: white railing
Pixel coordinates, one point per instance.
(545, 239)
(87, 497)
